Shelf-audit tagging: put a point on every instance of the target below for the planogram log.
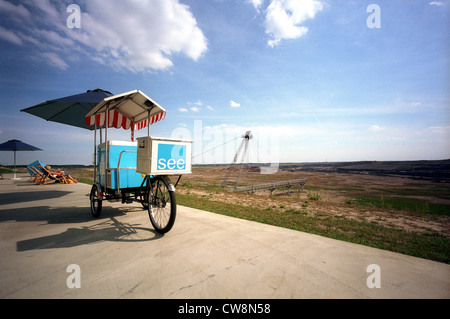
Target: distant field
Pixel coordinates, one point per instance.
(383, 207)
(398, 206)
(438, 171)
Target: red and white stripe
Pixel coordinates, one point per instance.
(117, 120)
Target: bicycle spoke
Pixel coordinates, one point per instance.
(161, 211)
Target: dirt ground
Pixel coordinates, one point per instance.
(335, 194)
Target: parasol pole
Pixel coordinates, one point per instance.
(106, 146)
(14, 165)
(95, 152)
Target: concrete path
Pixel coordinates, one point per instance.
(45, 230)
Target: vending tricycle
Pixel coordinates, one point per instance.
(136, 171)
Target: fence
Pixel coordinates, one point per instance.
(272, 186)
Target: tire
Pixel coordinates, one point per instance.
(96, 202)
(162, 207)
(143, 196)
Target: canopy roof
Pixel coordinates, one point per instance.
(131, 109)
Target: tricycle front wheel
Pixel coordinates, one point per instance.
(162, 207)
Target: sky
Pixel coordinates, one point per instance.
(313, 80)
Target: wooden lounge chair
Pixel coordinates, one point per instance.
(37, 174)
(50, 177)
(34, 171)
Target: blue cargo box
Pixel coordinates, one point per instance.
(126, 152)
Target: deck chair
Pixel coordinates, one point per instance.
(37, 174)
(49, 177)
(34, 171)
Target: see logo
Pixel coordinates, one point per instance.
(171, 157)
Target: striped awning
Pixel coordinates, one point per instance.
(132, 109)
(118, 120)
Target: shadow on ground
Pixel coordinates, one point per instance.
(109, 229)
(106, 228)
(21, 197)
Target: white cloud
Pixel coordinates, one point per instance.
(234, 104)
(436, 3)
(183, 109)
(10, 36)
(17, 11)
(284, 18)
(256, 3)
(54, 60)
(439, 129)
(199, 103)
(196, 108)
(139, 35)
(395, 139)
(376, 128)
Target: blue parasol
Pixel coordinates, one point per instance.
(70, 110)
(16, 145)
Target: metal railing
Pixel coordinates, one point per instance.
(272, 186)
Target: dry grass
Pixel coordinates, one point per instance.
(336, 194)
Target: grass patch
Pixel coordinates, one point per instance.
(89, 181)
(430, 246)
(313, 195)
(5, 170)
(438, 191)
(401, 203)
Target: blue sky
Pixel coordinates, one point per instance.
(310, 78)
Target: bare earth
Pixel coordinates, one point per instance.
(337, 193)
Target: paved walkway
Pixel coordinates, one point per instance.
(45, 229)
